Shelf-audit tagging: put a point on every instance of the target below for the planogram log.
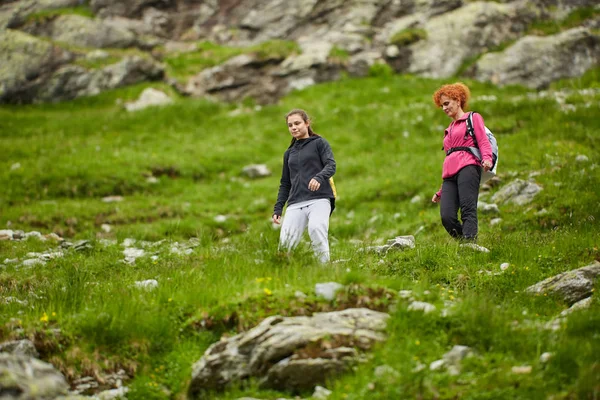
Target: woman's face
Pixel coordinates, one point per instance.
(297, 126)
(450, 106)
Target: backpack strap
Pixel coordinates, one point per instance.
(470, 130)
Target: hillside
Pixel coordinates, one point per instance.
(167, 184)
(57, 50)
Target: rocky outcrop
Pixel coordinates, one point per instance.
(535, 62)
(290, 353)
(571, 286)
(80, 31)
(464, 33)
(27, 63)
(74, 81)
(434, 38)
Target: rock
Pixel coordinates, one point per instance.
(486, 208)
(321, 393)
(256, 171)
(401, 242)
(580, 305)
(521, 370)
(77, 30)
(475, 247)
(495, 221)
(28, 378)
(504, 266)
(405, 294)
(327, 290)
(293, 353)
(437, 365)
(130, 9)
(456, 355)
(582, 158)
(421, 306)
(518, 192)
(27, 62)
(148, 284)
(73, 81)
(82, 245)
(15, 15)
(32, 262)
(6, 234)
(131, 254)
(483, 25)
(220, 218)
(112, 199)
(545, 357)
(572, 286)
(536, 61)
(23, 347)
(149, 97)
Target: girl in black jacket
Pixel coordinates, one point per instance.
(307, 187)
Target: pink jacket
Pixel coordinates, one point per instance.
(454, 136)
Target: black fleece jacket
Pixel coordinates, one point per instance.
(303, 160)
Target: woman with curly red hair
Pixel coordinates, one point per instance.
(461, 172)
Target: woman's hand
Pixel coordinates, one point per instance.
(314, 185)
(276, 219)
(435, 198)
(487, 165)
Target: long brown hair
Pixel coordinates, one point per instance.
(304, 116)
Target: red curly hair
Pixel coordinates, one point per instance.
(457, 91)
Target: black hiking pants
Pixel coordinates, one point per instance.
(461, 191)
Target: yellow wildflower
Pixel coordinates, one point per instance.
(44, 318)
(267, 292)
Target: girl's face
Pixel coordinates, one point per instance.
(450, 106)
(298, 127)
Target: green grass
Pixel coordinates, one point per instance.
(41, 16)
(386, 143)
(408, 36)
(575, 18)
(208, 54)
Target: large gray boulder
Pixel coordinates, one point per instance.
(73, 81)
(290, 353)
(537, 61)
(23, 377)
(246, 75)
(463, 33)
(26, 63)
(517, 192)
(77, 30)
(571, 286)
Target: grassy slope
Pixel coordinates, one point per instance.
(386, 137)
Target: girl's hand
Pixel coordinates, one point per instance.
(277, 219)
(314, 185)
(435, 198)
(487, 165)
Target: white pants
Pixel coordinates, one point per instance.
(315, 215)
